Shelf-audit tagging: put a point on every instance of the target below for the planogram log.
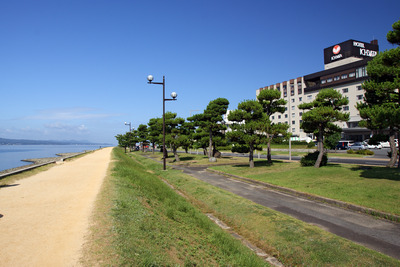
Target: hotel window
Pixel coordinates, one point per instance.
(285, 116)
(323, 81)
(359, 88)
(361, 72)
(352, 74)
(360, 97)
(279, 116)
(291, 89)
(309, 97)
(346, 108)
(292, 100)
(345, 90)
(301, 114)
(293, 115)
(344, 76)
(293, 130)
(336, 78)
(299, 88)
(273, 117)
(279, 89)
(293, 107)
(329, 80)
(293, 122)
(300, 99)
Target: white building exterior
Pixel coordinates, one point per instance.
(345, 71)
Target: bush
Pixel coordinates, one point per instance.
(360, 152)
(311, 158)
(311, 145)
(240, 148)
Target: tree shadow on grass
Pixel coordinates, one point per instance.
(186, 158)
(261, 163)
(378, 172)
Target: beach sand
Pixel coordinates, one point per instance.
(44, 218)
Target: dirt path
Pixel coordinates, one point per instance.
(44, 218)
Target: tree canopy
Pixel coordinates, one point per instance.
(211, 121)
(271, 102)
(321, 116)
(381, 108)
(249, 120)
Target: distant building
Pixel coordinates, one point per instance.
(345, 71)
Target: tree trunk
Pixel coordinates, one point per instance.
(397, 152)
(177, 159)
(320, 149)
(210, 145)
(393, 150)
(154, 147)
(125, 149)
(269, 158)
(204, 151)
(251, 158)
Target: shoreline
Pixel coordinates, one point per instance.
(38, 162)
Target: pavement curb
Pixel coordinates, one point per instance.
(338, 203)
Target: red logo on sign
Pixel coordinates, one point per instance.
(336, 49)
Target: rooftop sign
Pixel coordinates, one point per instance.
(350, 48)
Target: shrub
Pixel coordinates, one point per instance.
(360, 152)
(311, 145)
(311, 158)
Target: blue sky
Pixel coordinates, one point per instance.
(74, 69)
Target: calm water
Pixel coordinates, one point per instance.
(11, 155)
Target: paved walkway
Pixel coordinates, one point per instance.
(44, 218)
(380, 235)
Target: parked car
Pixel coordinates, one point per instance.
(368, 146)
(343, 145)
(357, 146)
(385, 144)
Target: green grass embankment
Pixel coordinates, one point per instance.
(154, 226)
(291, 241)
(372, 187)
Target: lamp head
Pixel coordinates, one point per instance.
(150, 78)
(174, 95)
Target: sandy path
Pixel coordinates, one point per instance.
(44, 218)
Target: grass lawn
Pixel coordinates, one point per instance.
(151, 225)
(291, 241)
(373, 187)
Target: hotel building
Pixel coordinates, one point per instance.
(345, 71)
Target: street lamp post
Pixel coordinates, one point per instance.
(130, 126)
(130, 132)
(173, 95)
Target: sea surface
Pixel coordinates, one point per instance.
(11, 155)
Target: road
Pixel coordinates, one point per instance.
(380, 235)
(379, 159)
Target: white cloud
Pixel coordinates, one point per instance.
(63, 114)
(60, 127)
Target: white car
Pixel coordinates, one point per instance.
(357, 146)
(385, 144)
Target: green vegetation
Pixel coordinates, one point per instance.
(154, 226)
(381, 107)
(360, 152)
(291, 241)
(374, 187)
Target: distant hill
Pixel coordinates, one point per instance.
(5, 141)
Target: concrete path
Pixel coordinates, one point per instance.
(44, 218)
(380, 235)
